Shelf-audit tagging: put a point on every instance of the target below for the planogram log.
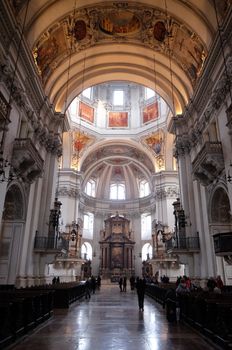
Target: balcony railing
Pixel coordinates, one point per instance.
(51, 244)
(185, 244)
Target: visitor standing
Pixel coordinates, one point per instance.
(132, 282)
(120, 283)
(124, 283)
(141, 286)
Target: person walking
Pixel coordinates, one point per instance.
(124, 283)
(93, 284)
(98, 282)
(141, 286)
(87, 289)
(120, 283)
(132, 282)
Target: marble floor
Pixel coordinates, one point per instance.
(111, 320)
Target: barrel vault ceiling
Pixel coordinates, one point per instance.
(162, 44)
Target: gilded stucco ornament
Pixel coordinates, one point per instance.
(80, 141)
(130, 23)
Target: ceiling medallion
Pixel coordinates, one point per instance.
(120, 22)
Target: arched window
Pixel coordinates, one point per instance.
(86, 251)
(73, 107)
(146, 226)
(118, 98)
(144, 188)
(117, 191)
(88, 226)
(90, 188)
(149, 93)
(146, 252)
(87, 93)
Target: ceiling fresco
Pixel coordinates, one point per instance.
(155, 142)
(108, 23)
(122, 151)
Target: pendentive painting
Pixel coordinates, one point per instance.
(118, 120)
(150, 112)
(86, 112)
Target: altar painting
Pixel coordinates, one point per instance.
(118, 120)
(150, 112)
(86, 112)
(117, 254)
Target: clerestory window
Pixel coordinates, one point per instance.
(149, 93)
(90, 188)
(88, 225)
(117, 191)
(146, 226)
(144, 188)
(118, 98)
(87, 93)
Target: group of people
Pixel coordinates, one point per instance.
(56, 280)
(215, 284)
(91, 284)
(139, 284)
(122, 283)
(184, 285)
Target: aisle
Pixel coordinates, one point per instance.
(112, 320)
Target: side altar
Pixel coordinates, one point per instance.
(117, 248)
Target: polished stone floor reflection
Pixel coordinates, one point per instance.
(112, 320)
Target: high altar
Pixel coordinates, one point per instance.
(117, 248)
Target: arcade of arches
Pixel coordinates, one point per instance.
(115, 130)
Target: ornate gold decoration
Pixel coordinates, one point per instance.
(109, 22)
(80, 142)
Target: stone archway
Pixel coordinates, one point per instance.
(86, 251)
(11, 234)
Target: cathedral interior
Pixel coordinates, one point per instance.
(115, 140)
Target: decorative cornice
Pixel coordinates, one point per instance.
(68, 192)
(50, 140)
(167, 192)
(28, 93)
(205, 85)
(215, 98)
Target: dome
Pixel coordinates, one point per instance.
(119, 135)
